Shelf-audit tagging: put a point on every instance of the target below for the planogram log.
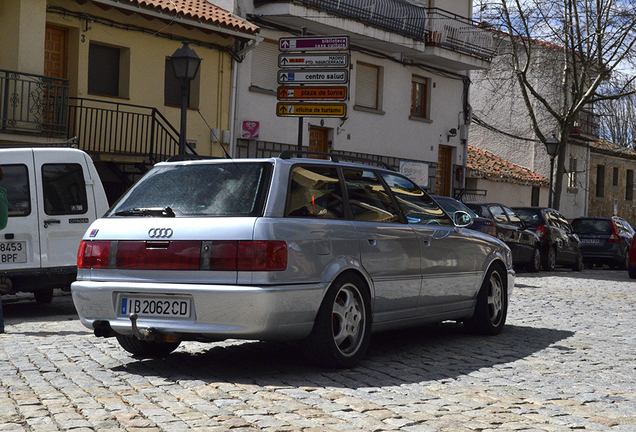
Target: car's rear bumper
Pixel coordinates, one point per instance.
(218, 311)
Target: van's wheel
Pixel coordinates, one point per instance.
(342, 329)
(146, 349)
(550, 262)
(44, 296)
(492, 305)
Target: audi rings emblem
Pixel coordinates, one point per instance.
(160, 232)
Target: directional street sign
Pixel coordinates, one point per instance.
(284, 109)
(333, 76)
(312, 93)
(313, 60)
(314, 43)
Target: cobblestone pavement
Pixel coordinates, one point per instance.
(565, 362)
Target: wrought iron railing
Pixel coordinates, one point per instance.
(470, 195)
(118, 128)
(588, 123)
(33, 104)
(432, 25)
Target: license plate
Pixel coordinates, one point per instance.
(13, 252)
(590, 241)
(169, 307)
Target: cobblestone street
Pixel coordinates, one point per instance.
(566, 361)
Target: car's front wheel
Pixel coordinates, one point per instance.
(492, 305)
(550, 262)
(342, 329)
(144, 349)
(535, 264)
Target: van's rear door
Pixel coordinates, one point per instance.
(19, 241)
(66, 204)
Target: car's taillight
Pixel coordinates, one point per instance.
(614, 238)
(93, 254)
(492, 230)
(541, 231)
(262, 255)
(221, 255)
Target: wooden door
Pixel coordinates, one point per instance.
(318, 139)
(443, 176)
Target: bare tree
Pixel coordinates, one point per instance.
(618, 117)
(561, 52)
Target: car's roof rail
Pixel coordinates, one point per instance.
(289, 154)
(190, 157)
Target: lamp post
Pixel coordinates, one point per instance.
(552, 147)
(185, 65)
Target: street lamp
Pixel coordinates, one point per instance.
(552, 147)
(185, 65)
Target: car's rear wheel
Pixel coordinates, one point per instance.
(535, 264)
(143, 348)
(492, 305)
(342, 329)
(550, 262)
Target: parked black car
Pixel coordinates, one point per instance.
(559, 243)
(524, 244)
(451, 205)
(605, 240)
(631, 268)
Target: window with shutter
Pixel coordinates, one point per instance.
(368, 86)
(265, 66)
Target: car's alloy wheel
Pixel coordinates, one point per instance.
(550, 262)
(342, 329)
(492, 305)
(535, 265)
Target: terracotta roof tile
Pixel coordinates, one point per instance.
(613, 149)
(199, 10)
(483, 164)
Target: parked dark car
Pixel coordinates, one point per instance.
(559, 243)
(524, 244)
(605, 240)
(631, 268)
(451, 205)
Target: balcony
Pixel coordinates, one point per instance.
(33, 104)
(396, 27)
(587, 126)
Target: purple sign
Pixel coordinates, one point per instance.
(324, 43)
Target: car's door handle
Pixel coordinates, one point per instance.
(48, 222)
(372, 241)
(426, 242)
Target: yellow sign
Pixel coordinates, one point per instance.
(311, 110)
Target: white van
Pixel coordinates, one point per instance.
(54, 194)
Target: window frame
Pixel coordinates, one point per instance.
(600, 181)
(424, 112)
(377, 80)
(98, 66)
(629, 185)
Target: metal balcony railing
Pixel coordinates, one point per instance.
(33, 104)
(587, 124)
(118, 128)
(432, 25)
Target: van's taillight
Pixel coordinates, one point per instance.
(93, 254)
(541, 231)
(221, 255)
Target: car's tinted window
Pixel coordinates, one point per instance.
(592, 226)
(498, 214)
(368, 199)
(451, 206)
(218, 189)
(315, 191)
(64, 189)
(512, 216)
(16, 182)
(562, 222)
(417, 205)
(531, 217)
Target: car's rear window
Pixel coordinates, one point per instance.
(215, 189)
(592, 226)
(530, 217)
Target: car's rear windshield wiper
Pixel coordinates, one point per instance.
(149, 211)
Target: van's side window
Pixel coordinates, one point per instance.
(16, 182)
(64, 189)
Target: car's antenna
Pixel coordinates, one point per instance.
(227, 155)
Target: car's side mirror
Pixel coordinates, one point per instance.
(462, 219)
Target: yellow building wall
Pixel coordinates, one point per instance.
(22, 35)
(144, 81)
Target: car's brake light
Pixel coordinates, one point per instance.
(541, 231)
(262, 255)
(492, 230)
(93, 254)
(614, 238)
(219, 255)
